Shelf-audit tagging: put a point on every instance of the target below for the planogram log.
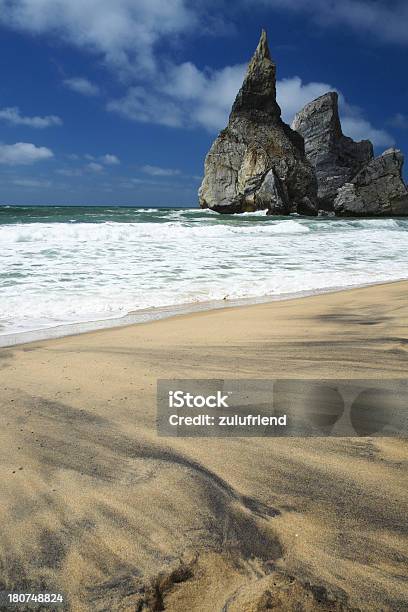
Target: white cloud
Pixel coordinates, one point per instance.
(23, 153)
(218, 93)
(69, 171)
(94, 167)
(354, 124)
(361, 129)
(12, 115)
(123, 32)
(184, 97)
(292, 95)
(110, 160)
(82, 86)
(130, 183)
(158, 171)
(140, 104)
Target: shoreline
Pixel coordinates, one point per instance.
(106, 511)
(149, 315)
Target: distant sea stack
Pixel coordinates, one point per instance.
(351, 182)
(336, 158)
(258, 162)
(377, 190)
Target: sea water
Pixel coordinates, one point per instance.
(64, 265)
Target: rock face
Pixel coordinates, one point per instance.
(378, 189)
(257, 161)
(335, 157)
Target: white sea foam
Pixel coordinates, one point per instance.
(53, 273)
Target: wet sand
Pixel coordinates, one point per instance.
(95, 505)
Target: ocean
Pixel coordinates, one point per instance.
(69, 265)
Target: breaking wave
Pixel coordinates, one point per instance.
(63, 265)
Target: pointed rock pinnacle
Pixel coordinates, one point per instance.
(262, 50)
(258, 91)
(257, 162)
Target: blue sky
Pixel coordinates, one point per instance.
(106, 102)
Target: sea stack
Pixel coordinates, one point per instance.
(336, 158)
(258, 162)
(377, 190)
(351, 182)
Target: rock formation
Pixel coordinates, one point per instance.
(336, 158)
(257, 161)
(378, 189)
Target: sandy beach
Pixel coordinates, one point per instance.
(95, 505)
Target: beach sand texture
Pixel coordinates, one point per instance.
(95, 505)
